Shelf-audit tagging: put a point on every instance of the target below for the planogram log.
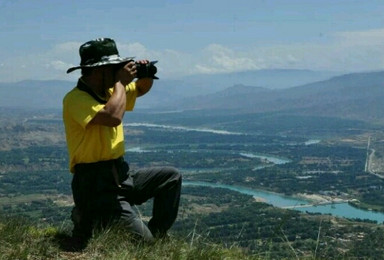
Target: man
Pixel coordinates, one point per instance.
(103, 190)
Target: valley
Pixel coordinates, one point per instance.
(313, 160)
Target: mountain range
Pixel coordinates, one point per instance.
(49, 94)
(355, 95)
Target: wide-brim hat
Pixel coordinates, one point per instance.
(99, 52)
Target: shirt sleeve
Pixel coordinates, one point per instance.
(81, 107)
(131, 91)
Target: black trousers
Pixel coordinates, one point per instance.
(104, 192)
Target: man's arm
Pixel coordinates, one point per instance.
(143, 86)
(113, 112)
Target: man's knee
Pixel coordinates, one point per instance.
(173, 173)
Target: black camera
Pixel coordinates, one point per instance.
(146, 70)
(143, 70)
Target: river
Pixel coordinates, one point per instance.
(278, 200)
(272, 159)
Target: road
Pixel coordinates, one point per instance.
(368, 162)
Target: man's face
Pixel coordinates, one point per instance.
(108, 76)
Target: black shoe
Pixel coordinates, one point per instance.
(71, 244)
(158, 234)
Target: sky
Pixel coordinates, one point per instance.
(39, 39)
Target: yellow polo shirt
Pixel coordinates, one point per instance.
(92, 143)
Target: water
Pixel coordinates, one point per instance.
(184, 128)
(269, 197)
(312, 141)
(345, 210)
(278, 200)
(137, 150)
(272, 159)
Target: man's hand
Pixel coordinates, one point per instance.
(143, 61)
(127, 73)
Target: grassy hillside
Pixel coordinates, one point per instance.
(20, 239)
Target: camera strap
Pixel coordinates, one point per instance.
(82, 86)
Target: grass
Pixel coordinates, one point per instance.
(21, 239)
(25, 240)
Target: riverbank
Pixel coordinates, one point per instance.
(364, 206)
(317, 199)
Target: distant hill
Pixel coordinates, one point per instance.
(34, 94)
(266, 78)
(167, 91)
(49, 94)
(357, 96)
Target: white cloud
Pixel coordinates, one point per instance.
(347, 51)
(361, 38)
(59, 65)
(344, 51)
(135, 49)
(51, 64)
(220, 59)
